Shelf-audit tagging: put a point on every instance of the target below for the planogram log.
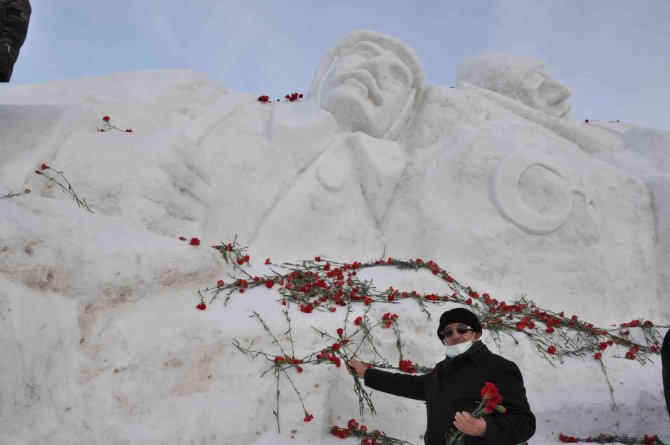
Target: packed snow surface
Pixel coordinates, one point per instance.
(99, 336)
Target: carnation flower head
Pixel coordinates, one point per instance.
(491, 396)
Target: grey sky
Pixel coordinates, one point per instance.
(613, 54)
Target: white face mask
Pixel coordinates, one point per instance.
(454, 350)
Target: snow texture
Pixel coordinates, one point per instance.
(521, 78)
(99, 338)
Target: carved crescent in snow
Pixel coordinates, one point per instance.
(506, 196)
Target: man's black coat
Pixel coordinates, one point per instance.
(14, 18)
(455, 385)
(665, 363)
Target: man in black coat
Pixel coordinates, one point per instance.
(453, 388)
(14, 18)
(665, 363)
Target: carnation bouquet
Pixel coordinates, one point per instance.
(491, 399)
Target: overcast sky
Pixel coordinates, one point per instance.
(613, 54)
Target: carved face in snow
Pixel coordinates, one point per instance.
(369, 83)
(540, 91)
(521, 78)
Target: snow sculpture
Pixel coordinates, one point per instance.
(369, 82)
(647, 155)
(341, 200)
(497, 191)
(261, 150)
(488, 170)
(507, 188)
(521, 78)
(56, 124)
(525, 87)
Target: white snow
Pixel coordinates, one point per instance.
(99, 336)
(521, 78)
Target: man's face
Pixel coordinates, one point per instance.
(543, 93)
(460, 333)
(367, 89)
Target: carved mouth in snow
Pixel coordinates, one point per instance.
(563, 108)
(363, 81)
(558, 100)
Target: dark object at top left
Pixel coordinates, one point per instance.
(14, 19)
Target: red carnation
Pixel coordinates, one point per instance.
(105, 118)
(267, 261)
(202, 306)
(308, 418)
(551, 349)
(220, 283)
(43, 167)
(194, 242)
(650, 440)
(407, 366)
(491, 396)
(269, 283)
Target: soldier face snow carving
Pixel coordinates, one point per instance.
(540, 91)
(518, 77)
(369, 82)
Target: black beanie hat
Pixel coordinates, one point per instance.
(458, 315)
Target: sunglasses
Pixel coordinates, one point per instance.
(462, 329)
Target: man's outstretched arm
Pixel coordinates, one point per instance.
(410, 386)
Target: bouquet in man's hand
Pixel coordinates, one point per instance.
(491, 399)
